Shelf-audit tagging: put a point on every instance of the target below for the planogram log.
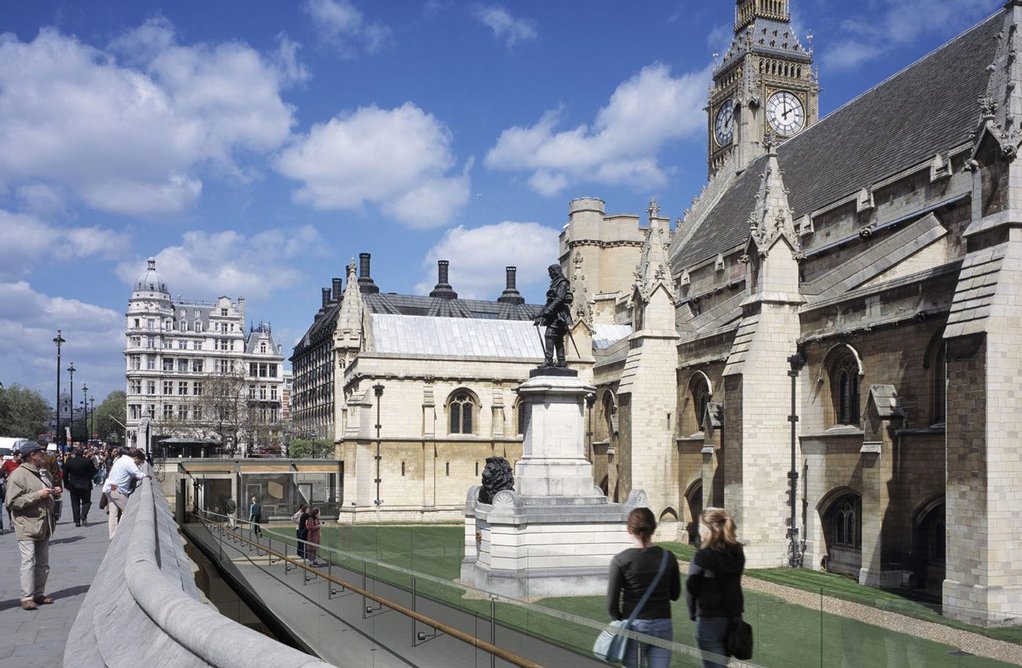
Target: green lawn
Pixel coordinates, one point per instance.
(786, 634)
(837, 586)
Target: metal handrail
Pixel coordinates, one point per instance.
(489, 648)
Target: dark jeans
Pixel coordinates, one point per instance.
(255, 520)
(711, 634)
(81, 501)
(302, 535)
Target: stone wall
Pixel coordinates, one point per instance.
(143, 608)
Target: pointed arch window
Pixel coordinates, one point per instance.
(461, 409)
(845, 521)
(844, 384)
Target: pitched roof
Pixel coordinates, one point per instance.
(455, 337)
(929, 107)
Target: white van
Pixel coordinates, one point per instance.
(8, 445)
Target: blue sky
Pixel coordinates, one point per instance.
(255, 147)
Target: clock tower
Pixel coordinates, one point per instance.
(764, 86)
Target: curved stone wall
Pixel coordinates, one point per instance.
(143, 608)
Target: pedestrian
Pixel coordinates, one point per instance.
(302, 530)
(53, 465)
(313, 537)
(30, 496)
(633, 572)
(5, 471)
(713, 590)
(255, 516)
(124, 474)
(78, 472)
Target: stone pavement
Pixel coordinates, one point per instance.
(36, 638)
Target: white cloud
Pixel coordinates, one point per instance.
(899, 23)
(398, 159)
(206, 265)
(343, 26)
(621, 146)
(505, 27)
(479, 255)
(129, 129)
(94, 342)
(27, 241)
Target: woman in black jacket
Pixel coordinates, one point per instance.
(631, 573)
(713, 590)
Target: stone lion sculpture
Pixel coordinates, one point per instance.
(497, 477)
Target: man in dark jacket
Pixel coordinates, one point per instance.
(78, 474)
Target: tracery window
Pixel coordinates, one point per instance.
(844, 383)
(699, 390)
(845, 522)
(460, 410)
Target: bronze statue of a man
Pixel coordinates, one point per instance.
(555, 316)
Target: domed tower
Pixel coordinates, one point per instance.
(150, 312)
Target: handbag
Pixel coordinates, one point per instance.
(611, 644)
(103, 501)
(739, 639)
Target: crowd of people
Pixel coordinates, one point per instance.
(32, 485)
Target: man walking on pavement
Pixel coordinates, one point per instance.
(78, 473)
(30, 496)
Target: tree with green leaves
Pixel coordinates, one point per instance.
(301, 448)
(23, 412)
(109, 417)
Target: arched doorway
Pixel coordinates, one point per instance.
(694, 499)
(842, 532)
(929, 545)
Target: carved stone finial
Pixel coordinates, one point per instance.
(653, 210)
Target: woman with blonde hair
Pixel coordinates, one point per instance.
(643, 581)
(713, 590)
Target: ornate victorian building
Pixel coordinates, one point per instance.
(194, 374)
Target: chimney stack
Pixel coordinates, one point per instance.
(338, 289)
(365, 279)
(511, 294)
(326, 297)
(443, 289)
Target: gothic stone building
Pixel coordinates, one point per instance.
(861, 271)
(416, 391)
(874, 255)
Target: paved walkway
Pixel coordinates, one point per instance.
(36, 638)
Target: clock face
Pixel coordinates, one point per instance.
(785, 113)
(724, 126)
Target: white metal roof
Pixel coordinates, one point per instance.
(455, 337)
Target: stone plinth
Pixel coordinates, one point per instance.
(555, 534)
(553, 459)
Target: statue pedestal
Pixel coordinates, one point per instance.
(555, 534)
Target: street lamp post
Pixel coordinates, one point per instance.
(92, 418)
(149, 414)
(71, 372)
(85, 403)
(58, 339)
(378, 391)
